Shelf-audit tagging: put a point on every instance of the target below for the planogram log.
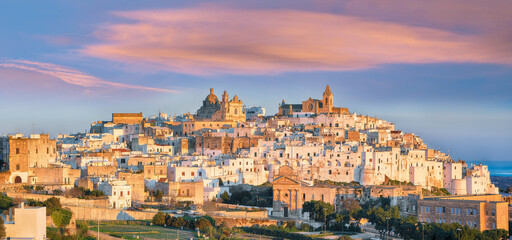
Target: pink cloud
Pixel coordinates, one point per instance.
(72, 76)
(206, 40)
(469, 15)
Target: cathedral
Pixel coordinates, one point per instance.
(225, 110)
(315, 106)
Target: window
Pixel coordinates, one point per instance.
(121, 193)
(128, 193)
(182, 173)
(192, 173)
(114, 193)
(17, 167)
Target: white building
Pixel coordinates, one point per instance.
(118, 192)
(28, 223)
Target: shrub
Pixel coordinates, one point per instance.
(159, 219)
(61, 217)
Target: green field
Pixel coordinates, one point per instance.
(143, 232)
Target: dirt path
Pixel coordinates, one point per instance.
(103, 236)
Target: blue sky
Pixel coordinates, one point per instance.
(440, 70)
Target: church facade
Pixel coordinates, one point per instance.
(314, 106)
(225, 110)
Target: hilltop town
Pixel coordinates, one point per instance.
(243, 167)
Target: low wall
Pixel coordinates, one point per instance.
(63, 200)
(91, 213)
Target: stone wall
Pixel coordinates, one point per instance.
(126, 118)
(92, 213)
(63, 200)
(101, 171)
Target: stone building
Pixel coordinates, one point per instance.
(193, 126)
(315, 106)
(210, 105)
(136, 182)
(100, 170)
(182, 191)
(483, 212)
(63, 175)
(225, 110)
(38, 150)
(126, 118)
(224, 144)
(290, 193)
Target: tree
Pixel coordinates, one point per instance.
(202, 224)
(61, 217)
(52, 204)
(406, 227)
(344, 237)
(494, 234)
(97, 193)
(5, 202)
(159, 219)
(291, 225)
(383, 218)
(225, 197)
(2, 228)
(158, 195)
(318, 210)
(212, 221)
(179, 222)
(306, 227)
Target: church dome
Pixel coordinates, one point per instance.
(212, 99)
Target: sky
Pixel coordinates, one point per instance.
(440, 69)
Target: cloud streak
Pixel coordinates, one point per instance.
(73, 77)
(205, 40)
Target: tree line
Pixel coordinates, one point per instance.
(388, 221)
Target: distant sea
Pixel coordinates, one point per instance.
(497, 168)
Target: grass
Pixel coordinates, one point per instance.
(142, 231)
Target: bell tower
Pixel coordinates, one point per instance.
(328, 99)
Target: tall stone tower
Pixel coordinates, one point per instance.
(328, 99)
(225, 99)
